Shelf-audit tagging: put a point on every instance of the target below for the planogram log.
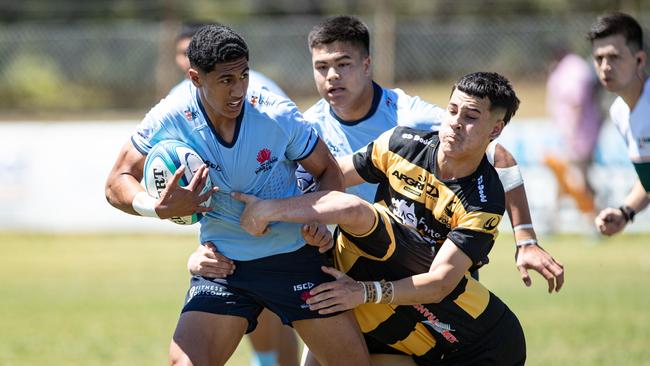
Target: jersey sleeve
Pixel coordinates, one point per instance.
(156, 126)
(475, 234)
(301, 135)
(418, 114)
(371, 163)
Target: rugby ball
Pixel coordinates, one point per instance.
(161, 163)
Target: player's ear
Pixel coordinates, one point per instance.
(194, 76)
(497, 129)
(367, 65)
(641, 58)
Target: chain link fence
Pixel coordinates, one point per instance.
(130, 65)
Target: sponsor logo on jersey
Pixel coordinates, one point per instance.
(416, 186)
(191, 114)
(435, 324)
(491, 223)
(481, 189)
(418, 138)
(261, 101)
(212, 165)
(405, 211)
(266, 160)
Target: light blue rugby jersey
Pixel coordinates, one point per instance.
(270, 136)
(390, 108)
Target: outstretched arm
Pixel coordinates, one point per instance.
(448, 268)
(529, 255)
(353, 214)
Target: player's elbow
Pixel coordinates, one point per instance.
(503, 158)
(110, 191)
(350, 207)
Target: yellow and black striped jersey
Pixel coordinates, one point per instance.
(427, 332)
(466, 210)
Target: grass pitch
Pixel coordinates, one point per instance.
(115, 299)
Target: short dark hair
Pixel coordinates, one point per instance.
(341, 28)
(493, 86)
(618, 23)
(189, 29)
(215, 44)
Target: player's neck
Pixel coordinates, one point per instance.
(632, 94)
(359, 108)
(449, 167)
(223, 126)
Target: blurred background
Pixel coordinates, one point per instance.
(82, 283)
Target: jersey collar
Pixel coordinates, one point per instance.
(240, 118)
(377, 93)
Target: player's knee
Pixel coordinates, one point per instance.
(177, 357)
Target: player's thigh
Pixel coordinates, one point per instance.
(334, 340)
(205, 339)
(268, 326)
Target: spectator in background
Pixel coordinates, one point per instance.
(617, 49)
(572, 100)
(273, 343)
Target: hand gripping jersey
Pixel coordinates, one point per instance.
(417, 213)
(390, 108)
(269, 137)
(635, 128)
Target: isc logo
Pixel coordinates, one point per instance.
(303, 286)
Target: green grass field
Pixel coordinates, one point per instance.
(114, 299)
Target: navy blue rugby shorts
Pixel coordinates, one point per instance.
(280, 283)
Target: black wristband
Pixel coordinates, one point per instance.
(628, 213)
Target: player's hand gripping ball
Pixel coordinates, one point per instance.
(161, 163)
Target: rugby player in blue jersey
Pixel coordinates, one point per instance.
(272, 342)
(251, 141)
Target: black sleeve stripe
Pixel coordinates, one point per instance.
(476, 245)
(306, 155)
